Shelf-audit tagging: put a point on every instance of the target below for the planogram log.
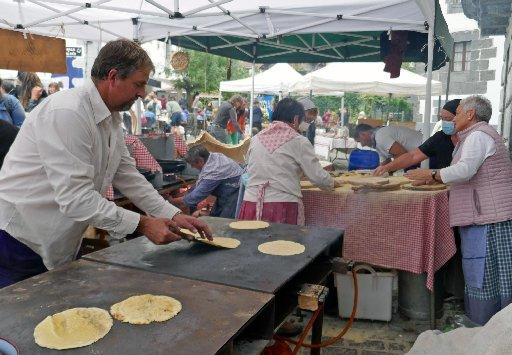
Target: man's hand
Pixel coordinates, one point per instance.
(36, 93)
(193, 224)
(158, 230)
(420, 176)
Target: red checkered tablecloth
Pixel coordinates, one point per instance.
(143, 159)
(405, 230)
(179, 145)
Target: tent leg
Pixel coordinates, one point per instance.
(438, 105)
(448, 77)
(138, 112)
(342, 119)
(428, 96)
(251, 105)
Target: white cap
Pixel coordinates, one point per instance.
(307, 103)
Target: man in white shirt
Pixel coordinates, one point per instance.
(71, 148)
(390, 141)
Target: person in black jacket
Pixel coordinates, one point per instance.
(439, 147)
(8, 133)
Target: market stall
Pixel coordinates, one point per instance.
(277, 80)
(368, 78)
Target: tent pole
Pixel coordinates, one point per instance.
(342, 119)
(438, 106)
(138, 103)
(428, 96)
(251, 105)
(449, 76)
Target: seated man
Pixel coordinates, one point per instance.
(219, 177)
(390, 141)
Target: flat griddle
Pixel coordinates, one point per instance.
(211, 317)
(243, 267)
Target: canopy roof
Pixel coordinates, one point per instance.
(279, 78)
(264, 31)
(366, 78)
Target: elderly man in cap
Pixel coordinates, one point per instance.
(308, 126)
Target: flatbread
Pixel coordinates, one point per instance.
(73, 328)
(433, 187)
(282, 248)
(366, 180)
(144, 309)
(306, 185)
(223, 242)
(385, 187)
(249, 225)
(402, 180)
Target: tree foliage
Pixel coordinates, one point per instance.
(373, 105)
(205, 72)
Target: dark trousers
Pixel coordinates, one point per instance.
(17, 261)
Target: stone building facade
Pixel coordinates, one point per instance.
(469, 71)
(495, 18)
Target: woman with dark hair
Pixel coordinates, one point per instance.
(277, 158)
(31, 90)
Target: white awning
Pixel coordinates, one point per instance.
(366, 78)
(277, 79)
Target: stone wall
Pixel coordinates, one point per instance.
(471, 81)
(505, 126)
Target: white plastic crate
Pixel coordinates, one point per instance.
(375, 293)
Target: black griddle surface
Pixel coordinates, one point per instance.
(243, 267)
(211, 316)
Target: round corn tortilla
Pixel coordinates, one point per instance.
(73, 328)
(224, 242)
(144, 309)
(249, 225)
(282, 248)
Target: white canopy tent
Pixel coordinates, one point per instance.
(277, 80)
(367, 78)
(255, 31)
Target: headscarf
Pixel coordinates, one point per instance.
(451, 106)
(277, 134)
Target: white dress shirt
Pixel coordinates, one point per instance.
(283, 169)
(67, 153)
(477, 147)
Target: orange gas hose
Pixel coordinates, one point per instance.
(310, 324)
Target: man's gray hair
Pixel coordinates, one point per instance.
(481, 105)
(196, 152)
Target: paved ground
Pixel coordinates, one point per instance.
(380, 338)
